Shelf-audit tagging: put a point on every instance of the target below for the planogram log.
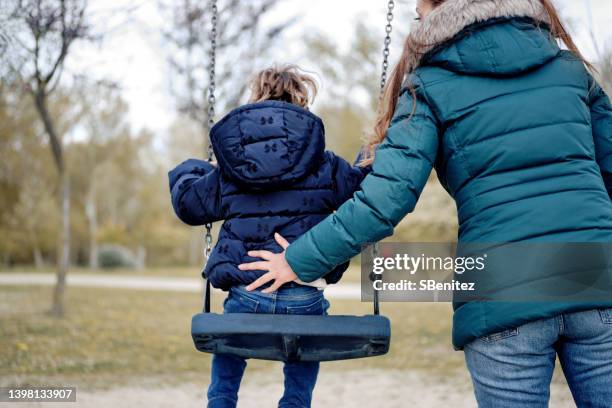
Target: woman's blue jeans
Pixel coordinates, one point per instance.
(300, 377)
(514, 368)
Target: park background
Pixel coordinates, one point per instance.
(87, 136)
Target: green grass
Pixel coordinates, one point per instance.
(105, 332)
(111, 336)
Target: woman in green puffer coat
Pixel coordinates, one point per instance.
(520, 136)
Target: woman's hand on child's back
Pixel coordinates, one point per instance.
(277, 266)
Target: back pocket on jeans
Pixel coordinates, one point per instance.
(312, 308)
(606, 315)
(239, 303)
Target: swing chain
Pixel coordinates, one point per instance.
(383, 83)
(211, 105)
(386, 50)
(208, 239)
(212, 72)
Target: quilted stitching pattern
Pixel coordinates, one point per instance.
(273, 176)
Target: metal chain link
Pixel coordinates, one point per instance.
(212, 75)
(383, 83)
(386, 50)
(211, 104)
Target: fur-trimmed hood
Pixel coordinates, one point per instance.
(452, 16)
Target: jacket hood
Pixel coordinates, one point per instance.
(493, 37)
(498, 47)
(268, 144)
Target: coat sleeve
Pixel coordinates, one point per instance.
(400, 171)
(194, 188)
(347, 178)
(601, 122)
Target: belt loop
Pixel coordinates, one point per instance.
(561, 322)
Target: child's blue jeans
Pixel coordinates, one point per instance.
(300, 377)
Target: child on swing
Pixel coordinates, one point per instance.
(273, 177)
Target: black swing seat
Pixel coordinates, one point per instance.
(291, 337)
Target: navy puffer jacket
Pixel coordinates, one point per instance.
(273, 175)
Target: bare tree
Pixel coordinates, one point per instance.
(102, 109)
(49, 29)
(241, 41)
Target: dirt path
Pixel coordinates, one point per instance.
(347, 291)
(364, 389)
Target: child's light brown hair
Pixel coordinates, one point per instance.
(287, 83)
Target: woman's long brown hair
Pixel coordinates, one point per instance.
(389, 99)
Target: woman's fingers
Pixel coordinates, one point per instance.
(281, 241)
(278, 270)
(261, 281)
(255, 266)
(277, 284)
(267, 255)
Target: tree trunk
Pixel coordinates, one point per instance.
(63, 258)
(141, 257)
(39, 261)
(92, 218)
(63, 261)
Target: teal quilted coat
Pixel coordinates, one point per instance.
(520, 136)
